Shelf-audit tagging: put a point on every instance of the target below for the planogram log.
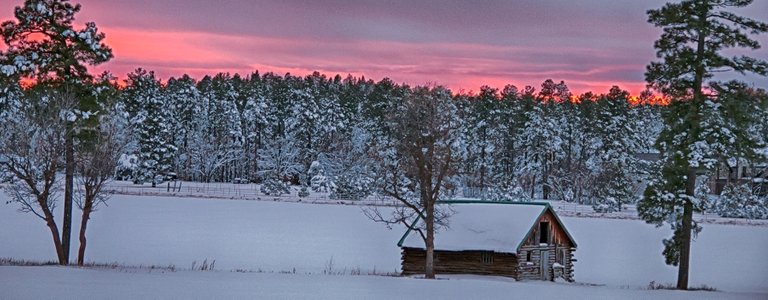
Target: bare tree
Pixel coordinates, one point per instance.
(96, 161)
(209, 157)
(416, 162)
(279, 158)
(33, 152)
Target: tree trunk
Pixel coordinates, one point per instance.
(687, 226)
(429, 269)
(87, 209)
(545, 178)
(685, 247)
(482, 170)
(690, 183)
(69, 171)
(49, 220)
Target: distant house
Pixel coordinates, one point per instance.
(755, 175)
(525, 241)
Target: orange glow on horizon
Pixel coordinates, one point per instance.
(653, 100)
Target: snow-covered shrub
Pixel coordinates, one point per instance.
(606, 205)
(507, 193)
(351, 187)
(274, 187)
(303, 192)
(318, 181)
(126, 166)
(740, 202)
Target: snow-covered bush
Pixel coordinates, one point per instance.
(740, 202)
(507, 193)
(126, 166)
(606, 205)
(274, 187)
(351, 187)
(318, 181)
(303, 192)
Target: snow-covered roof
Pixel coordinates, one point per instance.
(485, 226)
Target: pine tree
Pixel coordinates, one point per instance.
(509, 128)
(614, 157)
(254, 121)
(184, 101)
(482, 135)
(695, 32)
(543, 144)
(150, 115)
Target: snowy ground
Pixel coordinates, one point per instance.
(620, 256)
(24, 283)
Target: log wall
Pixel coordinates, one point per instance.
(460, 262)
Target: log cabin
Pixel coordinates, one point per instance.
(522, 240)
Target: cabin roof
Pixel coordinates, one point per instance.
(485, 226)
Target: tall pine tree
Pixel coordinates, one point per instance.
(150, 116)
(695, 33)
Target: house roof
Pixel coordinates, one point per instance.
(484, 226)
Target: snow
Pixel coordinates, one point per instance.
(493, 227)
(24, 283)
(8, 70)
(253, 235)
(274, 237)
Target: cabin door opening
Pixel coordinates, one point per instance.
(544, 265)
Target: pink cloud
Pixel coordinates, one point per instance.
(591, 44)
(456, 65)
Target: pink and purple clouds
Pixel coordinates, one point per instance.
(591, 45)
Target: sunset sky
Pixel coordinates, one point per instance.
(590, 44)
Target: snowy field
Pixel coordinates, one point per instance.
(616, 258)
(225, 190)
(72, 283)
